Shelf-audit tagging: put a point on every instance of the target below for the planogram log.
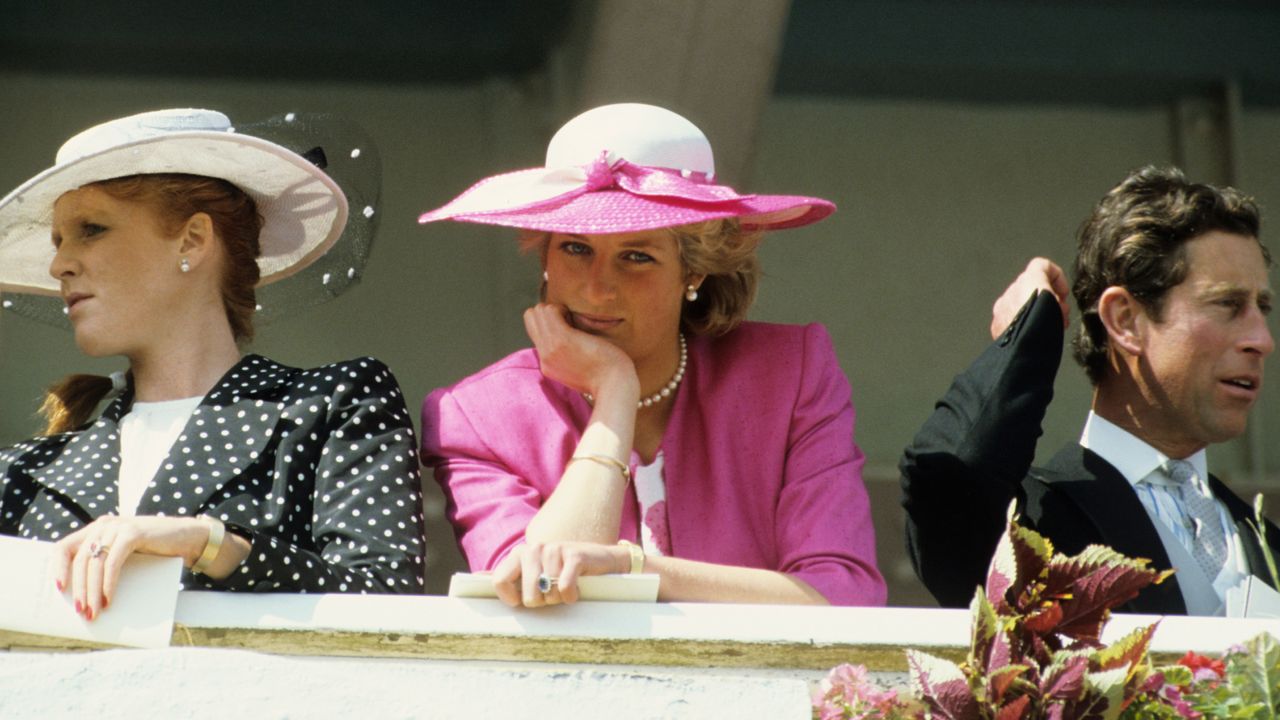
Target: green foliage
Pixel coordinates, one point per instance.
(1256, 673)
(1244, 685)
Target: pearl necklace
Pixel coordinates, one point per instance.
(667, 389)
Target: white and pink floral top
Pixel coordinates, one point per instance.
(651, 492)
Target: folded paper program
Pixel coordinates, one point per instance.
(141, 613)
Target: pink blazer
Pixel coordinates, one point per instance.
(759, 461)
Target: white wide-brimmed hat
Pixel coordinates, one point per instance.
(622, 168)
(302, 208)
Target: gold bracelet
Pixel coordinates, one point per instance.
(217, 531)
(608, 461)
(637, 556)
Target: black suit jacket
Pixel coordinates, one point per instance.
(973, 457)
(317, 468)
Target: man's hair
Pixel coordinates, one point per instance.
(1136, 239)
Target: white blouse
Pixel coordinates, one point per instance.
(146, 434)
(651, 493)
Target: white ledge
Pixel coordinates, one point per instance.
(601, 620)
(658, 634)
(768, 624)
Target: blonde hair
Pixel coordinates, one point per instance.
(721, 251)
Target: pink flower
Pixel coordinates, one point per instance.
(1172, 696)
(846, 694)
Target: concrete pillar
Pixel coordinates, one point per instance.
(1204, 134)
(711, 60)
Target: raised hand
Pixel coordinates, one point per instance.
(1040, 274)
(577, 359)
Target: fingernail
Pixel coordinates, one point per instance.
(58, 584)
(105, 603)
(88, 613)
(79, 609)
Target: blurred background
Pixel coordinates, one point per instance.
(960, 138)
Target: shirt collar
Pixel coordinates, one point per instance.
(1129, 454)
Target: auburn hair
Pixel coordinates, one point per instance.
(175, 197)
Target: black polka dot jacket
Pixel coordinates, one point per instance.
(316, 467)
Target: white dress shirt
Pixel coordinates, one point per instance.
(1142, 465)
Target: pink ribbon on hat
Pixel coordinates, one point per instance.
(530, 189)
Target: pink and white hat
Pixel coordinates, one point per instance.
(623, 168)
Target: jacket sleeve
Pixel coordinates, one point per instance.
(10, 508)
(17, 490)
(487, 502)
(967, 463)
(823, 521)
(365, 533)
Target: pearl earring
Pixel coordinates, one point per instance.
(691, 293)
(544, 276)
(184, 265)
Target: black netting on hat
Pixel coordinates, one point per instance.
(348, 155)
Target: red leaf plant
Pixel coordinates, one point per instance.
(1035, 651)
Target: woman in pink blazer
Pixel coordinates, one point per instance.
(650, 429)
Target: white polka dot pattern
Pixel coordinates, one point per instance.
(316, 467)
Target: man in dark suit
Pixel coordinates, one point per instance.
(1171, 283)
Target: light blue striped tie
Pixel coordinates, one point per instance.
(1209, 544)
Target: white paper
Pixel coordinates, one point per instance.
(1253, 598)
(612, 588)
(140, 614)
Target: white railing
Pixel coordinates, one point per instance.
(446, 657)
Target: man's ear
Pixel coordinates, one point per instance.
(1124, 318)
(196, 240)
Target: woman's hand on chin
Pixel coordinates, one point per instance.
(558, 565)
(582, 361)
(87, 563)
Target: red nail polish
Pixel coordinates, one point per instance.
(105, 603)
(58, 584)
(88, 613)
(79, 609)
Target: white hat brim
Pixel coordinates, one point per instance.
(303, 210)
